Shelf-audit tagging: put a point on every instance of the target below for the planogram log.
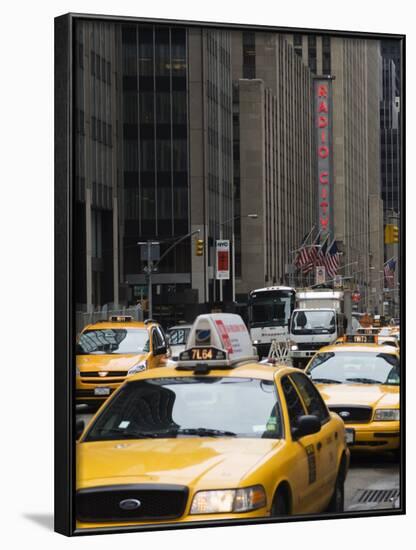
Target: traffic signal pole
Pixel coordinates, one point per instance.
(149, 278)
(152, 267)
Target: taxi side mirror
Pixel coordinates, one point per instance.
(80, 426)
(308, 424)
(160, 350)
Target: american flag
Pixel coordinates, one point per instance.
(320, 258)
(389, 269)
(313, 250)
(332, 260)
(302, 255)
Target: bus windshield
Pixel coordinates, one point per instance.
(271, 307)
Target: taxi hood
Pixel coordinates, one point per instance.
(360, 394)
(203, 462)
(114, 362)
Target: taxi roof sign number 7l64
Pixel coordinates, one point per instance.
(221, 339)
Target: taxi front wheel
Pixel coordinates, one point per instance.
(280, 506)
(336, 504)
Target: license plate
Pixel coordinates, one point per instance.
(101, 391)
(349, 436)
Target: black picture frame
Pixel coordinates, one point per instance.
(64, 270)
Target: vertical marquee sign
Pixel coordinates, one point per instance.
(223, 259)
(323, 128)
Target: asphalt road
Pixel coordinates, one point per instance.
(372, 482)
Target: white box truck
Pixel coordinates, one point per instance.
(317, 321)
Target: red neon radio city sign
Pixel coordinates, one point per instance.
(322, 117)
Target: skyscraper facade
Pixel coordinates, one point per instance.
(193, 133)
(273, 158)
(355, 67)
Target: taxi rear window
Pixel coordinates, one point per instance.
(178, 336)
(191, 407)
(355, 367)
(113, 341)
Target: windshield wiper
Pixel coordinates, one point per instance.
(202, 432)
(363, 380)
(327, 380)
(127, 433)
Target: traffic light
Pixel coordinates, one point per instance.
(388, 237)
(395, 233)
(199, 247)
(391, 234)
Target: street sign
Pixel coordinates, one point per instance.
(140, 290)
(154, 251)
(223, 259)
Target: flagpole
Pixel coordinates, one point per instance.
(303, 243)
(392, 258)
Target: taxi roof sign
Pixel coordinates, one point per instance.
(363, 338)
(120, 318)
(368, 330)
(219, 340)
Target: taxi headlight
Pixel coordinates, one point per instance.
(387, 414)
(229, 500)
(137, 368)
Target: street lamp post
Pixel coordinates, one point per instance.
(151, 267)
(148, 269)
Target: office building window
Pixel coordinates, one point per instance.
(249, 55)
(326, 55)
(312, 53)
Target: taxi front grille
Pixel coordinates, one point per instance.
(111, 374)
(351, 414)
(91, 393)
(105, 381)
(144, 502)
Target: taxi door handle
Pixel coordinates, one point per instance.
(319, 446)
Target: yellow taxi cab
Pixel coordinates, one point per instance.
(107, 352)
(360, 380)
(389, 336)
(217, 437)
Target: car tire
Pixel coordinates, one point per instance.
(280, 505)
(336, 504)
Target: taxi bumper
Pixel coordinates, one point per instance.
(95, 389)
(374, 436)
(188, 518)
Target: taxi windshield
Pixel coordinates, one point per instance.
(354, 367)
(191, 407)
(113, 341)
(178, 336)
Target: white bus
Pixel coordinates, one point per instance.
(269, 311)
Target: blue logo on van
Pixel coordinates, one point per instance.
(203, 336)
